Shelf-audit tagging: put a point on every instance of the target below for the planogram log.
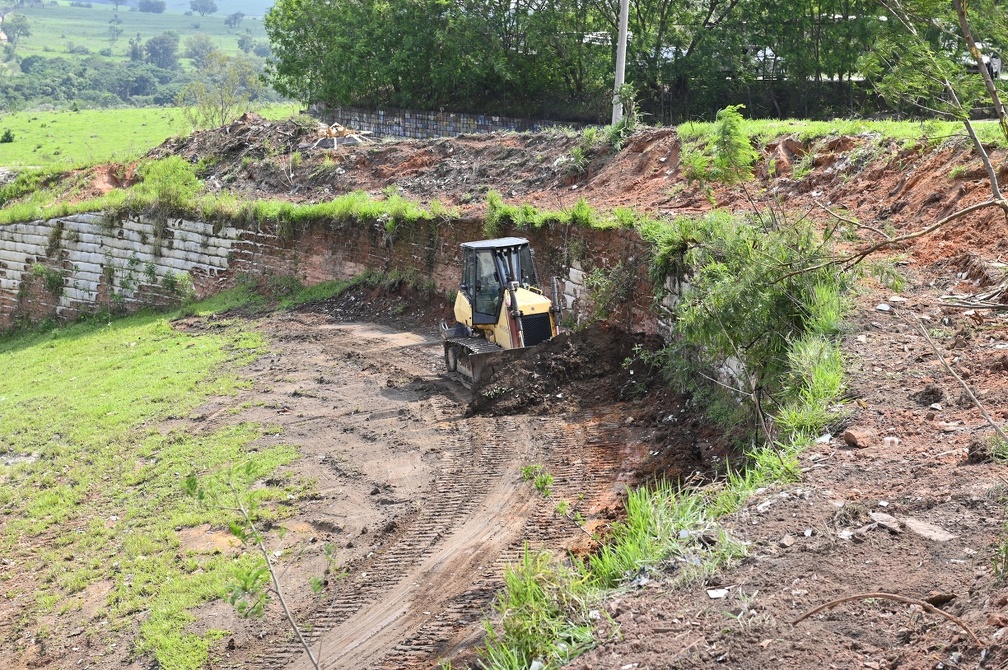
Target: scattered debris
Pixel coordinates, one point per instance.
(859, 438)
(928, 531)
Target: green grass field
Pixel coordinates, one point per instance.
(51, 139)
(93, 491)
(55, 28)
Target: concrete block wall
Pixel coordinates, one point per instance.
(106, 265)
(416, 124)
(122, 266)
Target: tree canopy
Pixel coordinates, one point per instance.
(203, 7)
(162, 50)
(556, 57)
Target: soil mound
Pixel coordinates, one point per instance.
(576, 370)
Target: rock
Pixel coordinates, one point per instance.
(979, 451)
(765, 505)
(859, 438)
(787, 541)
(995, 620)
(890, 442)
(887, 521)
(929, 395)
(717, 594)
(937, 598)
(883, 307)
(928, 531)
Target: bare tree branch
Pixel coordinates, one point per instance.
(891, 596)
(854, 222)
(965, 386)
(988, 81)
(273, 576)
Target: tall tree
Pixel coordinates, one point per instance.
(162, 50)
(16, 26)
(198, 47)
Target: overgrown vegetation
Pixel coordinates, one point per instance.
(756, 345)
(501, 215)
(756, 329)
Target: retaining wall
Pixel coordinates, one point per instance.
(94, 265)
(425, 125)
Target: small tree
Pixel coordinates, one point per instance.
(151, 6)
(234, 20)
(226, 88)
(203, 7)
(245, 42)
(916, 61)
(136, 50)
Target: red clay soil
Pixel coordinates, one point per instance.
(910, 505)
(823, 538)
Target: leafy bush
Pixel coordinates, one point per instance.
(7, 136)
(754, 327)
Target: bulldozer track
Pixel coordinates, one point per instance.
(424, 593)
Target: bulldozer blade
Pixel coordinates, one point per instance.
(475, 359)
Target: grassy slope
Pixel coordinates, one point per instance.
(53, 27)
(43, 139)
(99, 498)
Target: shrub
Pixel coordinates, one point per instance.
(168, 184)
(733, 154)
(754, 327)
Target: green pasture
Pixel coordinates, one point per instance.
(67, 138)
(93, 492)
(54, 28)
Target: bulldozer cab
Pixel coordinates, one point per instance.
(488, 266)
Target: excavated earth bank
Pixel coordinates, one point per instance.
(420, 488)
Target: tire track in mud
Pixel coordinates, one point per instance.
(423, 595)
(576, 471)
(367, 614)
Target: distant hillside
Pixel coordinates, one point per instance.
(224, 7)
(90, 55)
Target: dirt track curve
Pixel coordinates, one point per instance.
(425, 505)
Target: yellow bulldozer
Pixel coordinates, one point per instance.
(500, 308)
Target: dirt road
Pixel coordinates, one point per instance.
(422, 505)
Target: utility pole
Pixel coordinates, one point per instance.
(624, 15)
